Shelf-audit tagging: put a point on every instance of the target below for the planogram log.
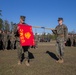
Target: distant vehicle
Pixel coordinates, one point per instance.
(45, 40)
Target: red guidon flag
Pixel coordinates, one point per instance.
(26, 35)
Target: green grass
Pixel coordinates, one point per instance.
(41, 64)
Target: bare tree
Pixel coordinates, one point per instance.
(0, 13)
(1, 23)
(6, 25)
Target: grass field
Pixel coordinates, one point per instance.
(42, 62)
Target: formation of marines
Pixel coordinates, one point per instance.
(61, 32)
(7, 39)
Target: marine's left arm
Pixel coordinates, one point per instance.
(65, 33)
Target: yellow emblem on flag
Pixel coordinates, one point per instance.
(23, 41)
(27, 35)
(21, 33)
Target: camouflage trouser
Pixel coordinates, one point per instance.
(12, 44)
(25, 52)
(60, 49)
(36, 43)
(21, 50)
(5, 44)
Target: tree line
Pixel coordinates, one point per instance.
(5, 24)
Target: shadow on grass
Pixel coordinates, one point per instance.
(52, 55)
(31, 56)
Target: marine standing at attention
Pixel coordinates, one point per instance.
(20, 48)
(61, 31)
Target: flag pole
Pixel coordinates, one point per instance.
(43, 27)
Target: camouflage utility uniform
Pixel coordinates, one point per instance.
(36, 40)
(12, 40)
(61, 32)
(4, 40)
(21, 49)
(18, 46)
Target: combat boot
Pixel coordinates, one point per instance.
(19, 63)
(27, 63)
(61, 61)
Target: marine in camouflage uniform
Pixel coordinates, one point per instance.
(0, 39)
(20, 48)
(36, 40)
(4, 40)
(12, 39)
(61, 32)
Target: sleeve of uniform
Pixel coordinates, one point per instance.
(55, 31)
(65, 33)
(15, 29)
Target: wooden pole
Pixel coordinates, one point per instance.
(43, 27)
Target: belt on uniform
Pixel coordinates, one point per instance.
(17, 41)
(62, 35)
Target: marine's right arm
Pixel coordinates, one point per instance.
(16, 31)
(54, 31)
